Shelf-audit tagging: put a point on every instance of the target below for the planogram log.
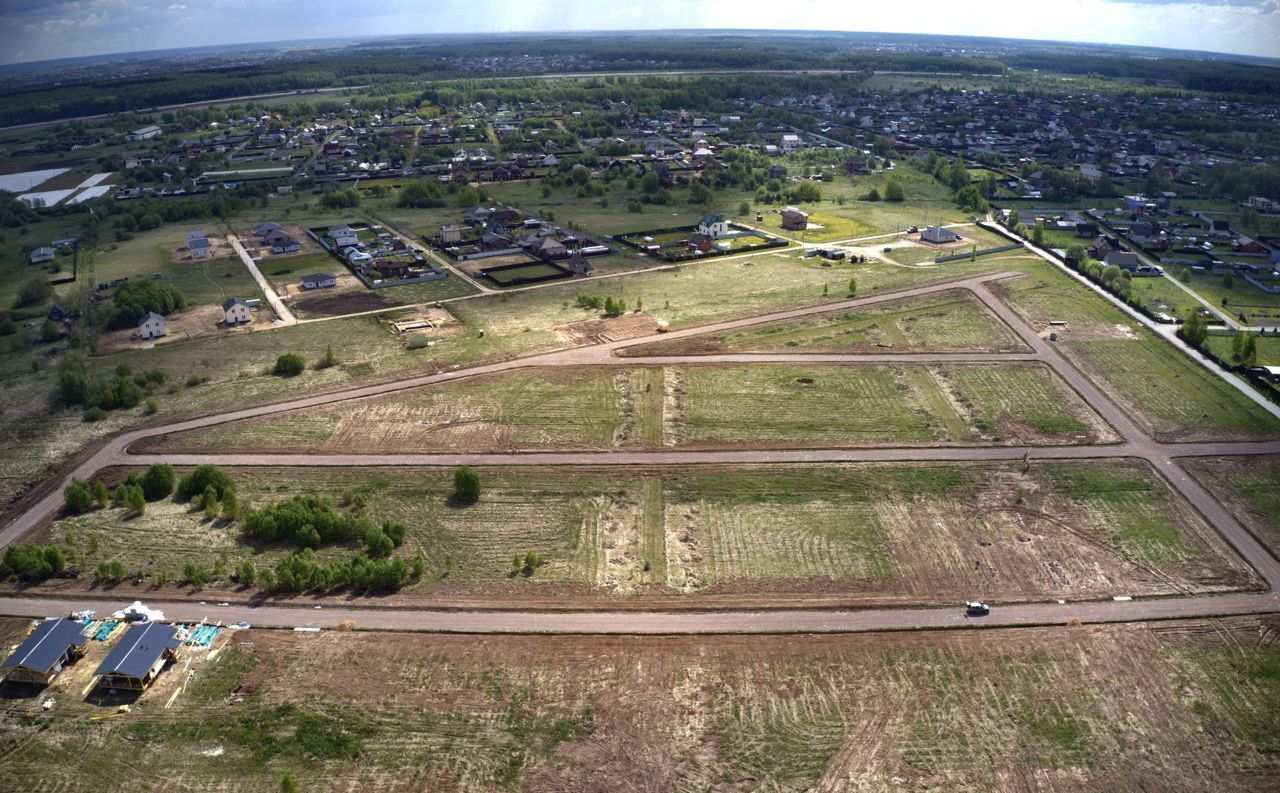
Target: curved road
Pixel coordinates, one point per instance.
(1135, 444)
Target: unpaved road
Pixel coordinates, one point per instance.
(1135, 444)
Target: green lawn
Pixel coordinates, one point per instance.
(201, 281)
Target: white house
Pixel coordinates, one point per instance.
(236, 311)
(356, 256)
(714, 226)
(938, 235)
(318, 281)
(790, 143)
(143, 133)
(151, 326)
(343, 236)
(197, 244)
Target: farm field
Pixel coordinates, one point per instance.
(1168, 394)
(553, 713)
(694, 406)
(860, 533)
(947, 322)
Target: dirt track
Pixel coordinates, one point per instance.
(1136, 444)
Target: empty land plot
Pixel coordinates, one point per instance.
(1003, 711)
(559, 408)
(712, 406)
(949, 322)
(1248, 486)
(922, 533)
(1166, 393)
(771, 405)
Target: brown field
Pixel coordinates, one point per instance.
(1247, 486)
(1179, 707)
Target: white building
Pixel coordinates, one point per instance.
(236, 311)
(151, 326)
(714, 226)
(790, 143)
(143, 133)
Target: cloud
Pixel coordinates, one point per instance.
(177, 7)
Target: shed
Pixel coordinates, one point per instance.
(41, 656)
(139, 656)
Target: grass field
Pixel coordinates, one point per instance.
(774, 405)
(1249, 487)
(893, 711)
(947, 322)
(201, 281)
(870, 533)
(1167, 393)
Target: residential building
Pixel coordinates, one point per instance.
(139, 657)
(197, 244)
(151, 326)
(236, 312)
(42, 655)
(714, 226)
(318, 281)
(41, 255)
(794, 220)
(938, 235)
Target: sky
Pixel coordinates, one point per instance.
(33, 30)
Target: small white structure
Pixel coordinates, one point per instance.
(236, 311)
(938, 235)
(714, 226)
(151, 326)
(356, 256)
(42, 254)
(790, 143)
(143, 133)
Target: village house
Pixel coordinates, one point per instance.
(450, 235)
(794, 220)
(41, 255)
(714, 226)
(318, 281)
(236, 312)
(139, 657)
(343, 236)
(938, 235)
(151, 326)
(197, 244)
(42, 655)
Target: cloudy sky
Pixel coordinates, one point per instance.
(33, 30)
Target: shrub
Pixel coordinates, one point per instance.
(79, 497)
(34, 290)
(328, 360)
(135, 299)
(466, 485)
(201, 478)
(291, 364)
(159, 481)
(32, 562)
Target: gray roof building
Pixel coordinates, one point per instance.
(139, 656)
(42, 655)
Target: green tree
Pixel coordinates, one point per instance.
(744, 208)
(100, 493)
(893, 190)
(209, 500)
(78, 496)
(287, 784)
(246, 573)
(1249, 351)
(159, 481)
(35, 289)
(1076, 254)
(291, 364)
(328, 360)
(466, 485)
(853, 287)
(1194, 331)
(134, 501)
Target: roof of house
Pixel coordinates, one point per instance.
(317, 277)
(193, 236)
(150, 315)
(716, 218)
(939, 233)
(1122, 259)
(46, 645)
(138, 651)
(264, 228)
(43, 251)
(232, 302)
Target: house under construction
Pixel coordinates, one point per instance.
(43, 654)
(139, 657)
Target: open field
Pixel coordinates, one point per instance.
(1168, 394)
(200, 280)
(948, 322)
(1183, 706)
(863, 533)
(742, 405)
(1249, 487)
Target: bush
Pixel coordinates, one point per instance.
(135, 299)
(307, 521)
(893, 190)
(32, 563)
(159, 481)
(34, 290)
(328, 360)
(201, 478)
(79, 497)
(466, 485)
(291, 364)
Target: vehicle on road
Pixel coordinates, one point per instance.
(976, 608)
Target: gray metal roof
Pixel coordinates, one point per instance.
(46, 645)
(141, 646)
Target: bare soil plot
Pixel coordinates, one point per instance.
(219, 248)
(608, 329)
(739, 406)
(852, 534)
(952, 321)
(190, 323)
(1181, 707)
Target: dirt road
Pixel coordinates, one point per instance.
(1135, 444)
(277, 305)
